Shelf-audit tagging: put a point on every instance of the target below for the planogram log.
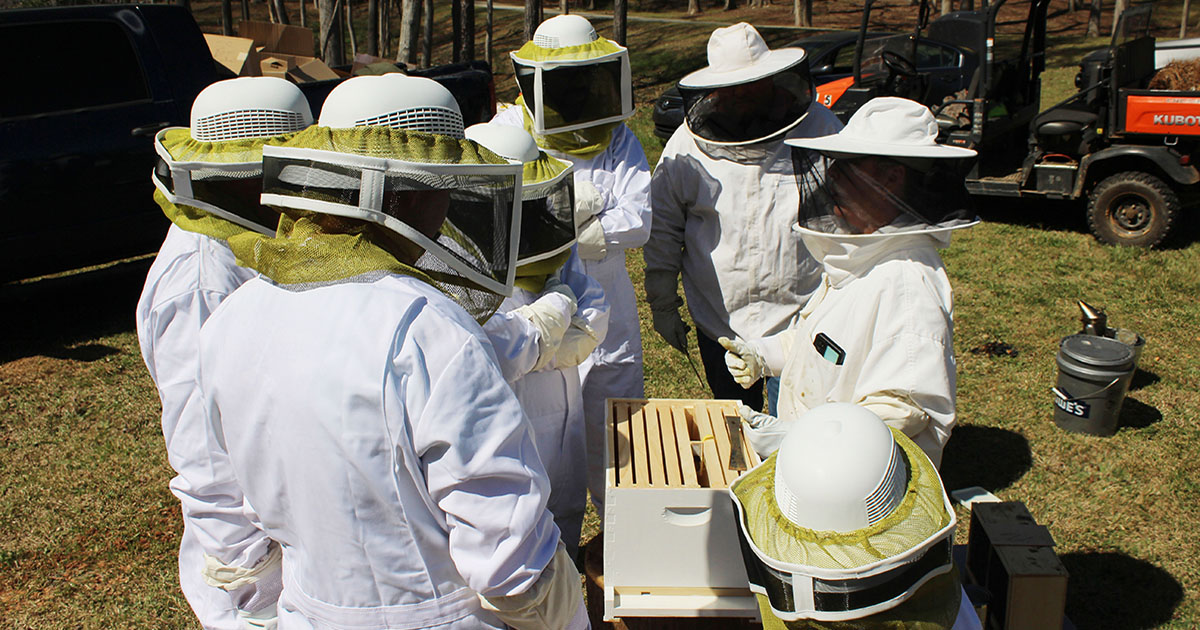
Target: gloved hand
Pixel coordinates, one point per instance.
(670, 325)
(591, 240)
(765, 432)
(554, 284)
(577, 343)
(551, 315)
(743, 361)
(553, 602)
(588, 202)
(265, 619)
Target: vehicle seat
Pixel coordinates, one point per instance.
(1064, 130)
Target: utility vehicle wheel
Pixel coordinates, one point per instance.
(1132, 208)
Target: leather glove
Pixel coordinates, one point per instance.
(743, 361)
(765, 432)
(551, 315)
(577, 343)
(591, 240)
(670, 325)
(588, 202)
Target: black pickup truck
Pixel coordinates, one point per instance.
(86, 89)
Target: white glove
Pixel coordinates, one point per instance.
(577, 343)
(553, 602)
(588, 202)
(265, 619)
(670, 326)
(743, 361)
(551, 315)
(765, 432)
(591, 240)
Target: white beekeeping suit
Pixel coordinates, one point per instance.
(575, 90)
(847, 525)
(360, 403)
(554, 319)
(878, 332)
(724, 197)
(208, 184)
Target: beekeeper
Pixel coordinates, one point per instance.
(878, 330)
(575, 91)
(207, 181)
(360, 403)
(848, 526)
(724, 196)
(554, 319)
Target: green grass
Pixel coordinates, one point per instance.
(88, 530)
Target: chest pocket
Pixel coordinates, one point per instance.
(829, 350)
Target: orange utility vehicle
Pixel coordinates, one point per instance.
(1128, 150)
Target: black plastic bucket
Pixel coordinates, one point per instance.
(1093, 376)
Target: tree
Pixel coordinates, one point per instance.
(1118, 9)
(533, 17)
(410, 28)
(280, 11)
(349, 21)
(693, 7)
(620, 20)
(564, 7)
(947, 7)
(245, 9)
(1093, 23)
(729, 5)
(487, 44)
(463, 17)
(227, 17)
(1183, 20)
(803, 9)
(374, 28)
(427, 45)
(329, 19)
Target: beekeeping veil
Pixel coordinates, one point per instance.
(848, 521)
(747, 93)
(575, 85)
(884, 174)
(209, 177)
(385, 182)
(547, 196)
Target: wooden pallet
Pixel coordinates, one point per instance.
(674, 443)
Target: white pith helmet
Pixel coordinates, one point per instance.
(248, 107)
(839, 469)
(562, 31)
(393, 100)
(507, 141)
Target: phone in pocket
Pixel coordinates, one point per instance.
(829, 350)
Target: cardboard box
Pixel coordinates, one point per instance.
(276, 66)
(670, 539)
(295, 68)
(278, 38)
(235, 53)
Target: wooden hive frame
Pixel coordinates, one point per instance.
(673, 443)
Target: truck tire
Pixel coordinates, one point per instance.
(1132, 208)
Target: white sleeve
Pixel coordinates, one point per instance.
(625, 186)
(515, 340)
(483, 471)
(205, 485)
(592, 307)
(664, 250)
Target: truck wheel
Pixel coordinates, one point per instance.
(1132, 208)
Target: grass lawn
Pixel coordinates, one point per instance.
(88, 530)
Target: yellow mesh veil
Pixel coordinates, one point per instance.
(534, 54)
(581, 143)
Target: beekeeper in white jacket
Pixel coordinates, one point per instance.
(724, 196)
(878, 331)
(365, 418)
(575, 91)
(208, 181)
(554, 319)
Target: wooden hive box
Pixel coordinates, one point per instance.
(670, 538)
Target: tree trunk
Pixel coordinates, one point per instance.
(729, 5)
(468, 30)
(410, 29)
(427, 45)
(281, 11)
(487, 44)
(303, 16)
(1183, 22)
(1118, 9)
(1093, 23)
(456, 28)
(374, 28)
(532, 9)
(620, 20)
(227, 17)
(564, 7)
(947, 7)
(803, 12)
(245, 9)
(185, 4)
(693, 7)
(329, 13)
(349, 20)
(591, 5)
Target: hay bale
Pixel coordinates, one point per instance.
(1178, 75)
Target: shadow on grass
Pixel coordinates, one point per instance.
(1113, 590)
(1143, 378)
(984, 456)
(1137, 415)
(49, 317)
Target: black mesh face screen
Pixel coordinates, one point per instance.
(749, 111)
(547, 224)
